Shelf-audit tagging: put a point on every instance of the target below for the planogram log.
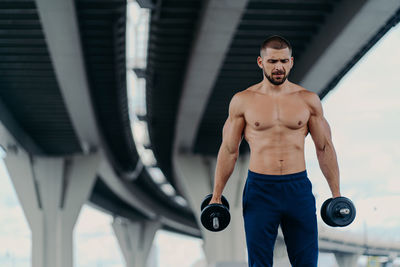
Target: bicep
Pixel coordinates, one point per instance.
(320, 131)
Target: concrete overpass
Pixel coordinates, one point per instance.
(64, 106)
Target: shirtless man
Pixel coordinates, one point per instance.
(275, 116)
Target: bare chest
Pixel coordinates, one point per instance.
(266, 113)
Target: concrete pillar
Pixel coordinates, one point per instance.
(391, 258)
(51, 192)
(200, 263)
(196, 174)
(281, 258)
(152, 258)
(346, 259)
(135, 239)
(229, 264)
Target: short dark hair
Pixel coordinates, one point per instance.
(276, 42)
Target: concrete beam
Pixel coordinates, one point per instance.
(332, 240)
(60, 27)
(141, 201)
(146, 3)
(218, 24)
(347, 30)
(17, 131)
(108, 175)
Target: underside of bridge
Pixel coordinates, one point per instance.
(36, 110)
(36, 106)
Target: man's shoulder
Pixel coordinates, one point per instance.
(308, 96)
(239, 100)
(311, 99)
(245, 93)
(240, 96)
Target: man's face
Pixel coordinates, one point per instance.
(276, 64)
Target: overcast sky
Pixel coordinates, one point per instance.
(363, 112)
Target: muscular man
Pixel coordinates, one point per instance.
(274, 116)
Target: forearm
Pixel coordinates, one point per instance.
(225, 164)
(329, 166)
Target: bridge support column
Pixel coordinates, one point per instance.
(51, 192)
(346, 259)
(281, 258)
(391, 258)
(196, 174)
(229, 264)
(135, 239)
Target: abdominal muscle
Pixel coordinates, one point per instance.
(276, 152)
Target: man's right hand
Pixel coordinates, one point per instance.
(215, 200)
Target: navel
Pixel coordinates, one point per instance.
(257, 123)
(299, 123)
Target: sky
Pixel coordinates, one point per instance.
(363, 112)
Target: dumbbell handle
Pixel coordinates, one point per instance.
(215, 223)
(344, 211)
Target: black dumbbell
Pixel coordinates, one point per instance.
(338, 212)
(215, 217)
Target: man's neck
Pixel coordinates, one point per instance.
(268, 88)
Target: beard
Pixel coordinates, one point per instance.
(275, 81)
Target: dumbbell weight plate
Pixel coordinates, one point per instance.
(215, 210)
(208, 198)
(334, 215)
(324, 216)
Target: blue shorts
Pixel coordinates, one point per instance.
(286, 200)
